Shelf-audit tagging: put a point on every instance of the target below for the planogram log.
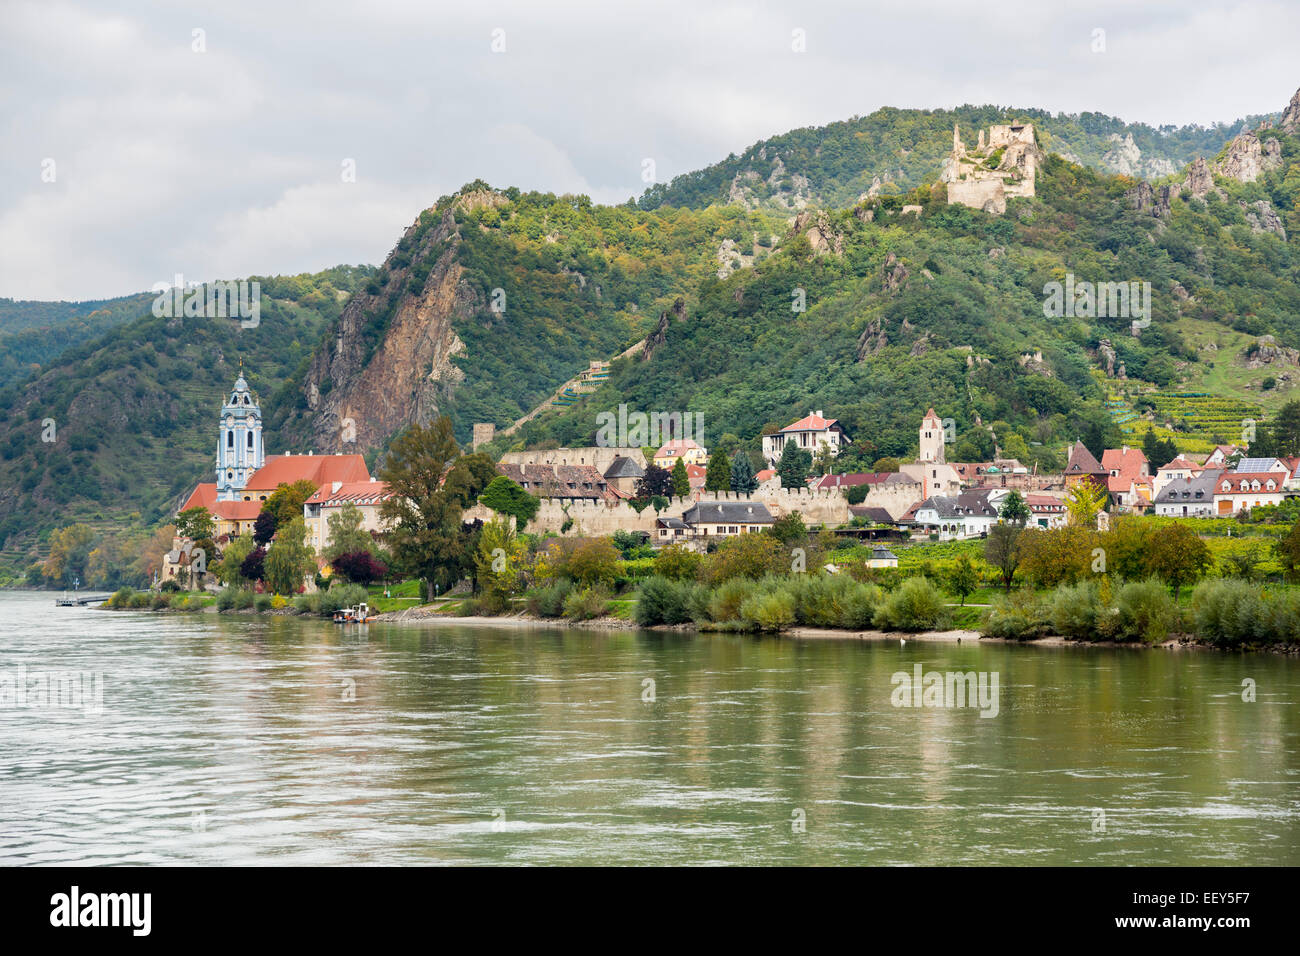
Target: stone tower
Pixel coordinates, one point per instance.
(240, 451)
(931, 438)
(484, 432)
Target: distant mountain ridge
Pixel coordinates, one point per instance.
(895, 150)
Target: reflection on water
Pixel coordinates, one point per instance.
(255, 740)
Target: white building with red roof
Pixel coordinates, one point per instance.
(1181, 469)
(1235, 492)
(811, 433)
(366, 496)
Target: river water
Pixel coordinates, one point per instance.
(247, 740)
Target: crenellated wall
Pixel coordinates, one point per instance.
(825, 506)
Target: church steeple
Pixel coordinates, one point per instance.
(239, 440)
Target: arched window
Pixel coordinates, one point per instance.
(230, 439)
(250, 439)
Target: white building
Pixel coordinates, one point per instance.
(811, 433)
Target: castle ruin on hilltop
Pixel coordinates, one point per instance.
(987, 175)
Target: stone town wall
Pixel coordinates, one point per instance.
(823, 506)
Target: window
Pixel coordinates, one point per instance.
(230, 439)
(250, 440)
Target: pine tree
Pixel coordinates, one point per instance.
(793, 466)
(681, 480)
(718, 476)
(743, 481)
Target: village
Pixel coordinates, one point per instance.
(599, 490)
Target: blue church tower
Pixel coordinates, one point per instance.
(239, 441)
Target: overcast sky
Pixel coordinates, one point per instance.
(135, 149)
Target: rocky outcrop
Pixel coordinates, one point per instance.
(1272, 153)
(894, 274)
(1106, 357)
(822, 235)
(660, 335)
(872, 339)
(1290, 122)
(1262, 217)
(1266, 351)
(731, 259)
(1200, 180)
(1146, 198)
(1125, 158)
(1244, 160)
(389, 361)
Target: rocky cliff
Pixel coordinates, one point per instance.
(388, 361)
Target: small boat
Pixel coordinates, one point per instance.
(360, 614)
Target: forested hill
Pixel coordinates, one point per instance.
(752, 316)
(946, 308)
(834, 165)
(134, 412)
(32, 334)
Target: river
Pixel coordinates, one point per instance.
(276, 740)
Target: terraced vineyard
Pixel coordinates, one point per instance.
(1200, 420)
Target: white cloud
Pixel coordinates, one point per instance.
(227, 162)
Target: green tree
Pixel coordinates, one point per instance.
(743, 481)
(286, 502)
(681, 480)
(227, 569)
(1002, 550)
(1014, 510)
(1179, 557)
(793, 466)
(344, 534)
(1084, 501)
(290, 558)
(789, 529)
(718, 475)
(499, 564)
(509, 498)
(1287, 550)
(678, 562)
(426, 535)
(963, 579)
(856, 494)
(889, 465)
(69, 552)
(195, 523)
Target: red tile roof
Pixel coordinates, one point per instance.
(678, 446)
(811, 423)
(765, 474)
(318, 469)
(1236, 481)
(1129, 462)
(355, 491)
(205, 495)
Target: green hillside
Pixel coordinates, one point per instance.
(903, 310)
(836, 164)
(134, 411)
(33, 334)
(958, 329)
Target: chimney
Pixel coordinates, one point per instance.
(819, 413)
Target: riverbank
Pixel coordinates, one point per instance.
(429, 614)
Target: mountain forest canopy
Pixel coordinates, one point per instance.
(745, 306)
